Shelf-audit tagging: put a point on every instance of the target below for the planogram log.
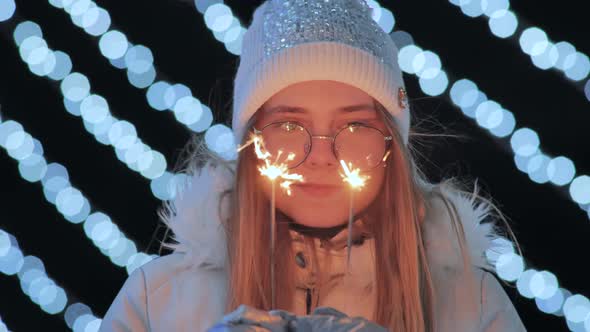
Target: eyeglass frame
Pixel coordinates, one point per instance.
(388, 139)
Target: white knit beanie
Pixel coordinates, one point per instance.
(291, 41)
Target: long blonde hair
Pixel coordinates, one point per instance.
(404, 284)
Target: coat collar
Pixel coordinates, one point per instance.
(194, 218)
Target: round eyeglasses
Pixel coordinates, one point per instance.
(363, 146)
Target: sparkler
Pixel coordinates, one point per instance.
(356, 182)
(273, 171)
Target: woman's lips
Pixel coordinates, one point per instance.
(318, 189)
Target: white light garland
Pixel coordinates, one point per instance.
(67, 199)
(141, 73)
(40, 288)
(533, 41)
(3, 327)
(95, 112)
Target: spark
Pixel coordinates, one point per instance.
(353, 178)
(273, 170)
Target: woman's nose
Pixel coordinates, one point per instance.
(321, 154)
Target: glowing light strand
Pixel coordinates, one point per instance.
(533, 41)
(138, 61)
(95, 112)
(68, 200)
(3, 327)
(40, 288)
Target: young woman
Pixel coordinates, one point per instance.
(319, 80)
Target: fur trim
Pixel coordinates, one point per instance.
(193, 216)
(483, 238)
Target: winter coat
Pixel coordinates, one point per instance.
(186, 290)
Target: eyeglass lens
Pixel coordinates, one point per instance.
(362, 146)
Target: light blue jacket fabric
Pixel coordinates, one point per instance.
(186, 290)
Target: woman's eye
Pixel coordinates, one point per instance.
(289, 126)
(356, 123)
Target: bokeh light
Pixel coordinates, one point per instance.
(503, 23)
(537, 168)
(547, 58)
(32, 49)
(533, 41)
(75, 87)
(580, 68)
(220, 139)
(188, 110)
(553, 304)
(25, 30)
(509, 266)
(401, 38)
(142, 80)
(426, 65)
(218, 17)
(386, 20)
(3, 327)
(164, 187)
(525, 142)
(464, 93)
(407, 56)
(96, 21)
(33, 168)
(113, 44)
(580, 189)
(86, 323)
(576, 308)
(75, 310)
(7, 9)
(561, 170)
(471, 8)
(493, 8)
(94, 109)
(434, 86)
(33, 279)
(152, 164)
(139, 59)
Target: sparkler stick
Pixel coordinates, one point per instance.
(356, 182)
(273, 171)
(273, 230)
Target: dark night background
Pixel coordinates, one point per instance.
(552, 230)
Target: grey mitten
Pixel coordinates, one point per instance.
(246, 318)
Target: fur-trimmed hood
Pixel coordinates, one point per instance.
(194, 218)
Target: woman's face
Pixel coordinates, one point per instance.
(323, 107)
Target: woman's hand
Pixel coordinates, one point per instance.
(246, 318)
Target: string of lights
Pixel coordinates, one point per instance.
(138, 60)
(498, 121)
(533, 41)
(67, 199)
(40, 288)
(94, 110)
(161, 95)
(542, 286)
(81, 102)
(3, 327)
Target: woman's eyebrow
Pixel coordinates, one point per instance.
(301, 110)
